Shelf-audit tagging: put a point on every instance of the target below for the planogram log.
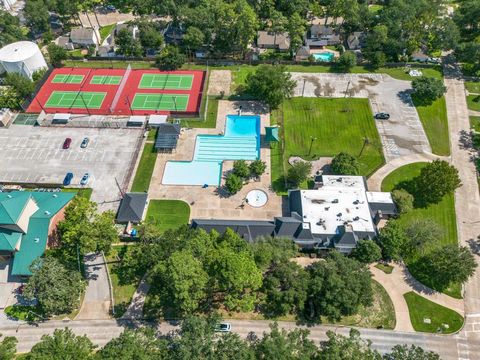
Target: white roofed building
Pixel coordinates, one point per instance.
(23, 57)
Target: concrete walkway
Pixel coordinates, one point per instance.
(375, 181)
(135, 309)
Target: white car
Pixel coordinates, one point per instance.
(85, 179)
(223, 327)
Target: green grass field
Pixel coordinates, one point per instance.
(170, 102)
(435, 123)
(336, 125)
(475, 123)
(473, 86)
(442, 213)
(67, 79)
(166, 81)
(105, 31)
(105, 80)
(421, 308)
(210, 116)
(473, 102)
(76, 99)
(141, 182)
(168, 214)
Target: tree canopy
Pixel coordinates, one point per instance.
(344, 164)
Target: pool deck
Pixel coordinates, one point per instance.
(210, 203)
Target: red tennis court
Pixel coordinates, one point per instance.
(120, 92)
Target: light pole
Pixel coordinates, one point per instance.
(311, 144)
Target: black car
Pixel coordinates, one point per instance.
(382, 116)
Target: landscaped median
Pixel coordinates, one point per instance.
(427, 316)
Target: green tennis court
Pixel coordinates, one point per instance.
(105, 80)
(168, 102)
(166, 81)
(67, 79)
(75, 99)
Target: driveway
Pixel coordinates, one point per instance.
(33, 154)
(96, 303)
(402, 134)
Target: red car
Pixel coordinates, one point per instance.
(66, 143)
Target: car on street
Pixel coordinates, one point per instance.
(85, 179)
(382, 116)
(66, 143)
(223, 327)
(84, 143)
(68, 179)
(110, 8)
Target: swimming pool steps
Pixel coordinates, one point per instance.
(214, 148)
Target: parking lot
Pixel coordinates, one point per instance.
(35, 155)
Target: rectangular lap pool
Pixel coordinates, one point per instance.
(241, 141)
(324, 56)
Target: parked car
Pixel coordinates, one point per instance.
(110, 8)
(382, 116)
(223, 327)
(68, 179)
(66, 143)
(85, 179)
(84, 143)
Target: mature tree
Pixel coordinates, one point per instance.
(126, 44)
(403, 352)
(268, 250)
(344, 164)
(375, 42)
(62, 344)
(299, 172)
(56, 288)
(257, 167)
(338, 287)
(421, 233)
(341, 347)
(271, 84)
(347, 61)
(36, 15)
(10, 30)
(103, 230)
(170, 58)
(9, 98)
(233, 183)
(367, 251)
(428, 89)
(285, 287)
(403, 199)
(56, 54)
(283, 344)
(232, 346)
(436, 180)
(141, 344)
(8, 348)
(23, 86)
(392, 239)
(296, 30)
(446, 265)
(150, 37)
(193, 38)
(183, 282)
(240, 168)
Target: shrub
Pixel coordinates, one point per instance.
(403, 199)
(240, 168)
(344, 164)
(257, 167)
(233, 183)
(298, 173)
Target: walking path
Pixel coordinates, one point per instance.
(473, 113)
(135, 309)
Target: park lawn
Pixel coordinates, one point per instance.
(141, 182)
(123, 288)
(339, 125)
(210, 117)
(473, 102)
(475, 123)
(109, 64)
(105, 31)
(81, 192)
(435, 123)
(442, 213)
(168, 214)
(421, 308)
(387, 269)
(473, 86)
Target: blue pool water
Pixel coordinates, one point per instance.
(241, 141)
(324, 56)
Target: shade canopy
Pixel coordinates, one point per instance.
(272, 133)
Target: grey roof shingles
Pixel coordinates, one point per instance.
(132, 207)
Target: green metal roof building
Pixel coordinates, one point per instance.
(25, 221)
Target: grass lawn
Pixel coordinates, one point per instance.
(210, 117)
(387, 269)
(24, 312)
(337, 124)
(152, 134)
(435, 123)
(123, 288)
(475, 123)
(473, 102)
(168, 214)
(109, 64)
(105, 31)
(83, 192)
(421, 308)
(141, 182)
(442, 213)
(473, 87)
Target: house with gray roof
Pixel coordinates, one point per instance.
(132, 208)
(84, 36)
(271, 40)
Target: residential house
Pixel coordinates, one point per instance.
(420, 56)
(322, 35)
(173, 34)
(356, 40)
(85, 37)
(133, 29)
(64, 42)
(303, 53)
(337, 214)
(28, 221)
(270, 40)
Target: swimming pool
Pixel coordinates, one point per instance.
(326, 56)
(241, 141)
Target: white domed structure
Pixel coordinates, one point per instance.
(23, 57)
